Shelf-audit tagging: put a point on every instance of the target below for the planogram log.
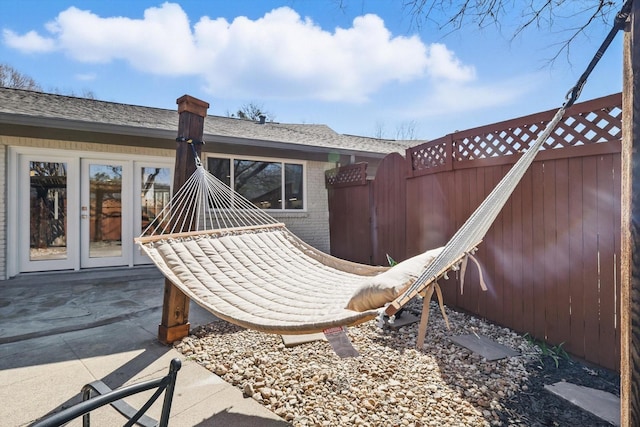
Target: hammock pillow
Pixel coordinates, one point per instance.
(387, 286)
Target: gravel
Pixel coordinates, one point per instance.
(394, 384)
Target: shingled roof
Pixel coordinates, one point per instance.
(66, 112)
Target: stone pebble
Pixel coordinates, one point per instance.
(391, 384)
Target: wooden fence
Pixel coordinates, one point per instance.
(552, 257)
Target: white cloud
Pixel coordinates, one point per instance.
(29, 42)
(443, 64)
(280, 55)
(454, 97)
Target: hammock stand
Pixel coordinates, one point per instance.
(245, 267)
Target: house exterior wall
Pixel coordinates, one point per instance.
(3, 210)
(311, 225)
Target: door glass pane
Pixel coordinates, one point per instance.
(155, 194)
(260, 182)
(105, 211)
(48, 211)
(293, 186)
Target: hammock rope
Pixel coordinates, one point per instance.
(210, 204)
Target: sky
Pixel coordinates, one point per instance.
(361, 67)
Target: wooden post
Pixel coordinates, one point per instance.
(175, 308)
(630, 254)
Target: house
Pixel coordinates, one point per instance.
(81, 177)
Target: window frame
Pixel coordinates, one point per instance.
(283, 161)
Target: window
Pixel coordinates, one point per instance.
(265, 183)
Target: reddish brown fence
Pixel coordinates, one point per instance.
(551, 259)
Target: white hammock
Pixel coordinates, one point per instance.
(245, 267)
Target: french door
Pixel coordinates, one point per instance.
(106, 234)
(75, 211)
(47, 212)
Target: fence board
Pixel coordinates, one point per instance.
(461, 212)
(526, 227)
(607, 321)
(537, 280)
(617, 215)
(515, 280)
(590, 258)
(562, 185)
(575, 343)
(495, 249)
(506, 260)
(550, 252)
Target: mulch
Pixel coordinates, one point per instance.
(537, 407)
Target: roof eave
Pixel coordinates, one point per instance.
(233, 140)
(85, 126)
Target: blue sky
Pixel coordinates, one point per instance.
(362, 67)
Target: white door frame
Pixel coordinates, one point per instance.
(22, 216)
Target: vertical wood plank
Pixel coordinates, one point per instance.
(551, 267)
(590, 258)
(576, 264)
(528, 283)
(473, 274)
(608, 353)
(505, 259)
(537, 199)
(463, 185)
(562, 253)
(617, 191)
(493, 241)
(515, 279)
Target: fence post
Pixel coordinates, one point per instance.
(630, 228)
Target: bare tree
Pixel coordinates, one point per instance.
(10, 77)
(379, 131)
(407, 130)
(252, 111)
(84, 93)
(560, 15)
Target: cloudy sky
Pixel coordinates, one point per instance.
(363, 67)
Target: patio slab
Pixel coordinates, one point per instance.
(484, 346)
(600, 403)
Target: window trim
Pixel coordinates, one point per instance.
(282, 161)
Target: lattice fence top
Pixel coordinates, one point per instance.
(590, 122)
(343, 176)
